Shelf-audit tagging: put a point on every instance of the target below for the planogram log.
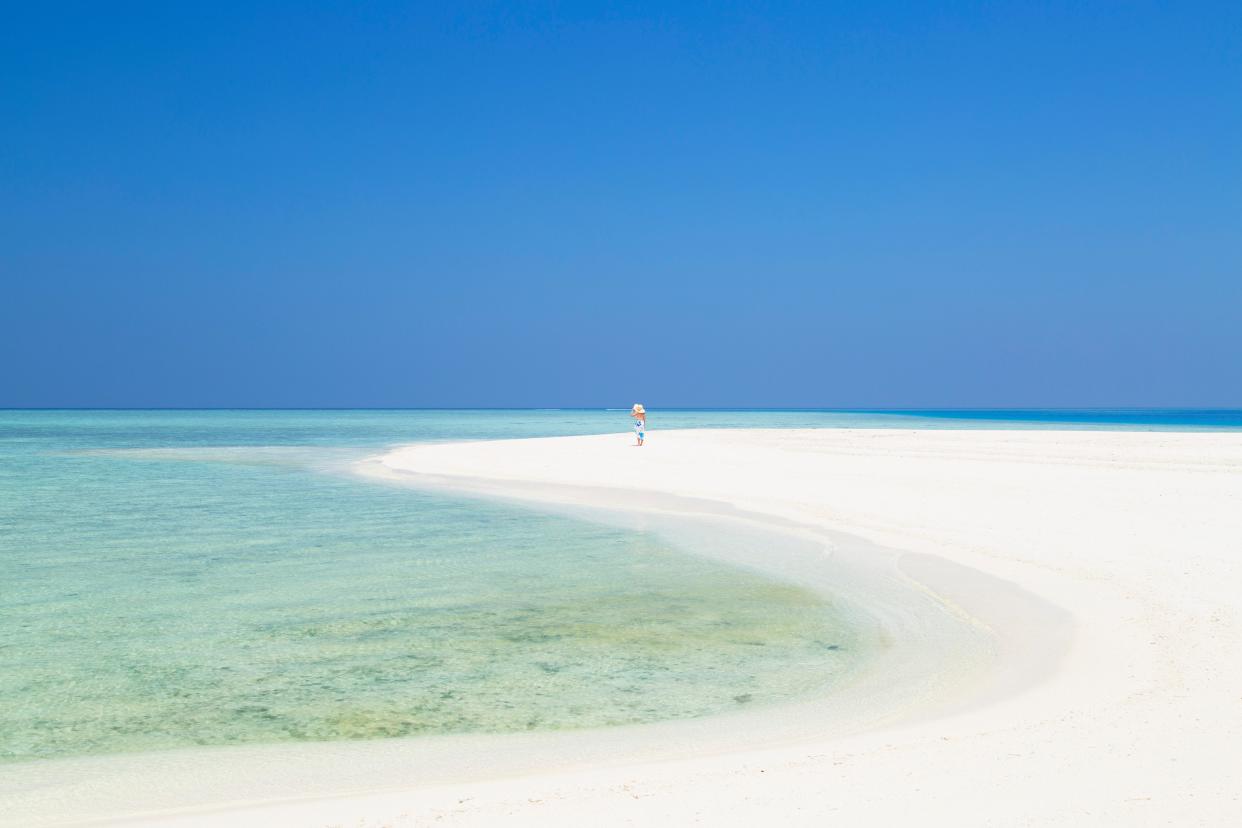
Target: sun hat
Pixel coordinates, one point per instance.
(638, 409)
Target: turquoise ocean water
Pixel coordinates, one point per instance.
(181, 578)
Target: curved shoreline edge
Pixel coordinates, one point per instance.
(953, 637)
(938, 654)
(1133, 534)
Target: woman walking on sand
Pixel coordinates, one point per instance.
(640, 422)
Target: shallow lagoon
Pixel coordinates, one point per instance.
(174, 579)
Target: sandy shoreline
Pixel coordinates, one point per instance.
(920, 639)
(1136, 537)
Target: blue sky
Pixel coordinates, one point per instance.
(726, 204)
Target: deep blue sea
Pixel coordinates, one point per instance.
(180, 578)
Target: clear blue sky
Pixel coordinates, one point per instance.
(550, 204)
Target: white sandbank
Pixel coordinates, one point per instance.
(1131, 540)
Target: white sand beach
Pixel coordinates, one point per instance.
(1125, 710)
(1137, 535)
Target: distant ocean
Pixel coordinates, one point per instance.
(181, 578)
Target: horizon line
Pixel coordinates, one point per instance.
(808, 409)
